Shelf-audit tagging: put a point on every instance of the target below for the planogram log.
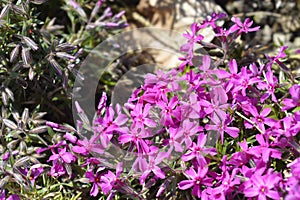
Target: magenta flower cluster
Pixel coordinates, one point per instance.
(220, 131)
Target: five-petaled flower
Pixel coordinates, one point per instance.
(95, 179)
(198, 150)
(262, 186)
(154, 159)
(242, 27)
(294, 101)
(197, 179)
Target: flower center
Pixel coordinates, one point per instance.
(235, 76)
(260, 119)
(271, 88)
(135, 137)
(109, 123)
(198, 150)
(97, 179)
(141, 118)
(151, 164)
(245, 83)
(168, 110)
(263, 189)
(186, 134)
(198, 180)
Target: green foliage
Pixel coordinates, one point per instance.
(40, 57)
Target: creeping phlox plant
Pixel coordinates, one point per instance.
(211, 130)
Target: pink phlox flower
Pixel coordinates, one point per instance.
(140, 116)
(193, 38)
(154, 159)
(222, 34)
(224, 163)
(281, 54)
(293, 192)
(157, 93)
(255, 70)
(270, 85)
(242, 27)
(227, 183)
(272, 59)
(191, 109)
(211, 19)
(214, 108)
(194, 80)
(218, 105)
(232, 75)
(2, 194)
(241, 158)
(72, 138)
(294, 101)
(137, 136)
(62, 154)
(60, 160)
(175, 140)
(257, 166)
(109, 180)
(186, 60)
(106, 126)
(260, 119)
(188, 130)
(151, 95)
(160, 78)
(6, 155)
(95, 179)
(198, 150)
(13, 197)
(169, 111)
(263, 150)
(86, 146)
(295, 166)
(287, 127)
(92, 162)
(245, 81)
(57, 168)
(197, 179)
(292, 185)
(35, 172)
(206, 71)
(263, 186)
(221, 126)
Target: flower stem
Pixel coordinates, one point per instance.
(250, 121)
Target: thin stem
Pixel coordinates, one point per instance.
(250, 121)
(295, 145)
(260, 13)
(209, 45)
